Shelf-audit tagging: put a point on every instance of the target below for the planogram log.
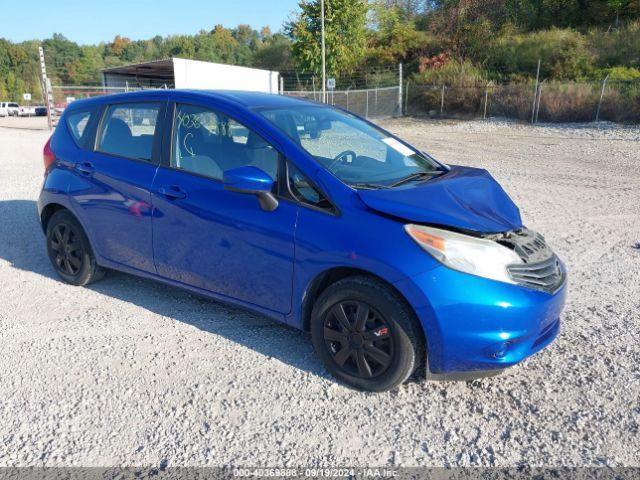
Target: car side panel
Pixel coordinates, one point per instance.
(357, 239)
(113, 202)
(116, 203)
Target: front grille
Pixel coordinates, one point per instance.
(547, 275)
(541, 268)
(529, 245)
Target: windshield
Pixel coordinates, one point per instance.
(356, 152)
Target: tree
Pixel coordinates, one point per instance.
(394, 37)
(346, 35)
(274, 53)
(60, 53)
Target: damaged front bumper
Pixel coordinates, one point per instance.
(475, 325)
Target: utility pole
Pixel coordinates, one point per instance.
(324, 55)
(47, 93)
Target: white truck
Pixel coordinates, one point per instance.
(9, 109)
(27, 111)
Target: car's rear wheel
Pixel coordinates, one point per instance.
(69, 250)
(366, 335)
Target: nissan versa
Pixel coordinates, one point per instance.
(395, 263)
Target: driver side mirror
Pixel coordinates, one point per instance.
(253, 181)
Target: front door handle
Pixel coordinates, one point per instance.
(172, 192)
(85, 168)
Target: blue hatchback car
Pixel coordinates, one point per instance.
(395, 263)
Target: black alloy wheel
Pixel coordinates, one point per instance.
(68, 251)
(358, 338)
(366, 334)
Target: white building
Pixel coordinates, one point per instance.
(183, 73)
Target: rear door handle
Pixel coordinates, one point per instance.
(85, 167)
(172, 192)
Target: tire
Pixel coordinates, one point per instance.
(381, 343)
(69, 250)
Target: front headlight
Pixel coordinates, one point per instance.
(477, 256)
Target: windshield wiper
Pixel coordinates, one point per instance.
(416, 176)
(368, 186)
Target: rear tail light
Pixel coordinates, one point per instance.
(47, 155)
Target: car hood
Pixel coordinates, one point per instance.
(464, 198)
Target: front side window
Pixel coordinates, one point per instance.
(128, 130)
(304, 191)
(358, 153)
(209, 143)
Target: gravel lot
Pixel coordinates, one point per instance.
(131, 372)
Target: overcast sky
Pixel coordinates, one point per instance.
(91, 21)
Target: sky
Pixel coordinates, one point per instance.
(91, 21)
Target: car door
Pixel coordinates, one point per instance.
(211, 238)
(113, 182)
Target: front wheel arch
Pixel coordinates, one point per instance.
(384, 307)
(328, 277)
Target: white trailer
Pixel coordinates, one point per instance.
(184, 73)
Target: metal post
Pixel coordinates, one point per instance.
(537, 105)
(376, 99)
(442, 101)
(535, 93)
(486, 99)
(281, 85)
(366, 113)
(539, 98)
(347, 93)
(313, 82)
(604, 84)
(324, 58)
(406, 101)
(400, 90)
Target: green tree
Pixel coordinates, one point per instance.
(345, 33)
(274, 53)
(60, 52)
(394, 37)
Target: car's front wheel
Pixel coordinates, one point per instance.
(69, 250)
(366, 335)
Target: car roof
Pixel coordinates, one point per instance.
(248, 100)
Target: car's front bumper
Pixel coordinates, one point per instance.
(474, 324)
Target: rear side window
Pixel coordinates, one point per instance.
(128, 130)
(77, 123)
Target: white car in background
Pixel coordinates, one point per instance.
(27, 111)
(9, 109)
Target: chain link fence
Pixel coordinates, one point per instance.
(63, 94)
(368, 103)
(615, 101)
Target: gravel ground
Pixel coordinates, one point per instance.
(131, 372)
